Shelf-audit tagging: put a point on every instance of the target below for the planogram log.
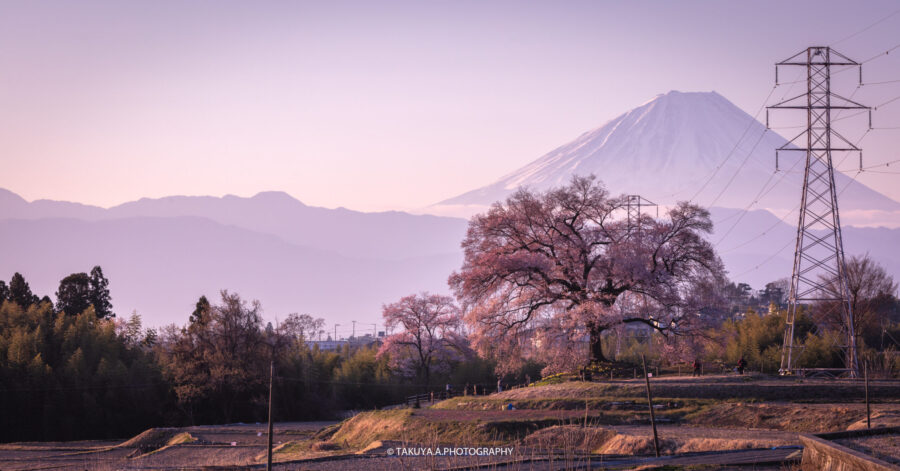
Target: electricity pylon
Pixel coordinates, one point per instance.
(820, 274)
(633, 205)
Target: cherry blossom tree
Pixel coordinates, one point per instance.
(545, 271)
(429, 337)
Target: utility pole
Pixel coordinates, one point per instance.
(335, 332)
(354, 330)
(269, 439)
(819, 273)
(650, 403)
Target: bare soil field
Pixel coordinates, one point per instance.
(549, 427)
(883, 447)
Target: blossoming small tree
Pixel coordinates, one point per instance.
(429, 336)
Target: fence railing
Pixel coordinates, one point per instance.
(431, 397)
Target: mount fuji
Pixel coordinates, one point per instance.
(681, 146)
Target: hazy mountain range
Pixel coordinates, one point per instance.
(162, 254)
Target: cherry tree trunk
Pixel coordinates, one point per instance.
(596, 345)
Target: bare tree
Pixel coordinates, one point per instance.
(869, 285)
(220, 357)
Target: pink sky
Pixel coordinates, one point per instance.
(377, 106)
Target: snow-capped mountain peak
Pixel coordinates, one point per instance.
(668, 149)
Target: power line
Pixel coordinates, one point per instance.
(81, 388)
(762, 191)
(849, 115)
(887, 102)
(882, 82)
(759, 196)
(876, 23)
(755, 145)
(738, 170)
(736, 145)
(795, 208)
(781, 220)
(886, 164)
(884, 172)
(881, 54)
(788, 244)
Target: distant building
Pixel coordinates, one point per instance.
(334, 345)
(328, 345)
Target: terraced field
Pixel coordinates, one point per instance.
(559, 426)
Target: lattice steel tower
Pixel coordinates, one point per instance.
(633, 205)
(819, 274)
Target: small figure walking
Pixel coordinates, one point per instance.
(499, 385)
(697, 367)
(741, 365)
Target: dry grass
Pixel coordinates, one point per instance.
(183, 437)
(151, 438)
(300, 450)
(882, 418)
(585, 439)
(643, 445)
(173, 441)
(366, 427)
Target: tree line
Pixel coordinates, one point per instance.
(67, 374)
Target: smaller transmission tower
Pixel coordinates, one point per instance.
(819, 274)
(633, 205)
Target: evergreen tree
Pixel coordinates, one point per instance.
(99, 294)
(74, 294)
(200, 311)
(19, 291)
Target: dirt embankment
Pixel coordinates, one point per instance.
(802, 418)
(759, 388)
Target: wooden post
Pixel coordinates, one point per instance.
(269, 440)
(432, 397)
(868, 411)
(650, 403)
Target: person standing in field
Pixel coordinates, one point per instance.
(697, 367)
(741, 365)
